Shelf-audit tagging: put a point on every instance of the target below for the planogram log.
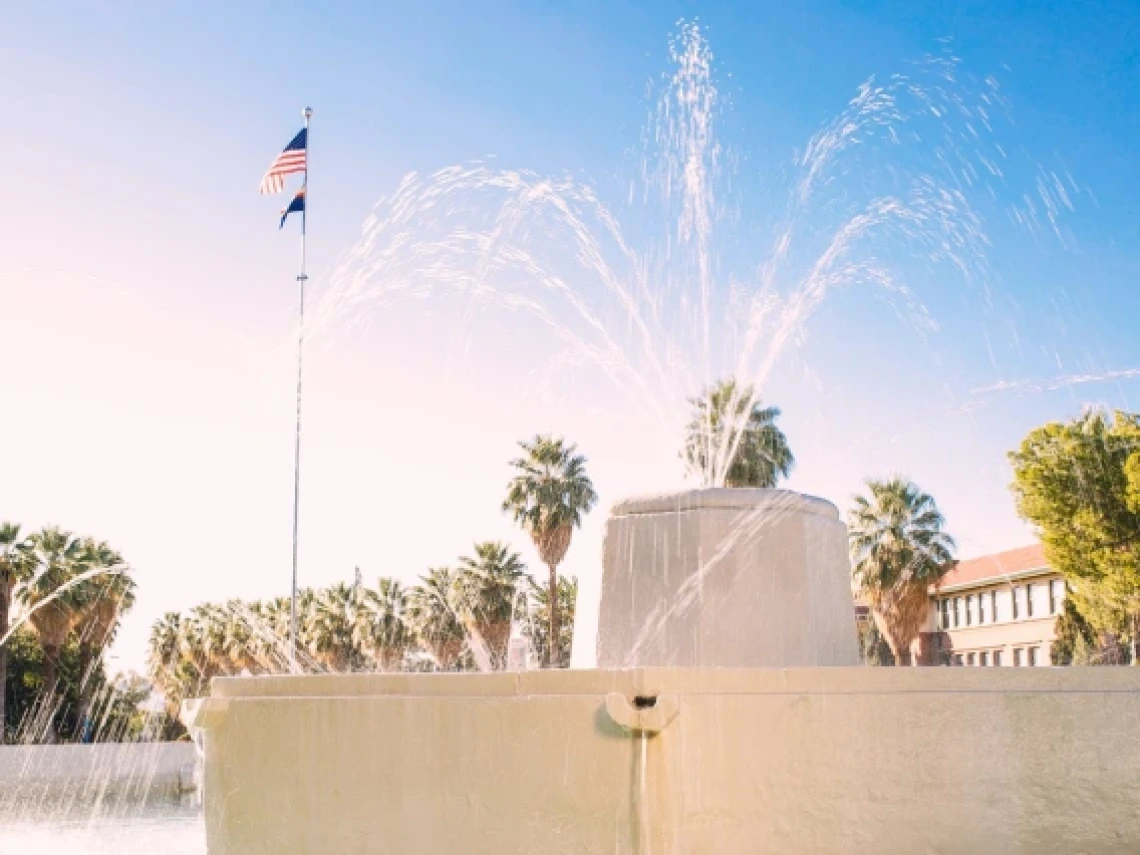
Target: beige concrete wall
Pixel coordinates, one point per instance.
(726, 578)
(861, 761)
(86, 772)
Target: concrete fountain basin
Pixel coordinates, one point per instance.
(678, 756)
(803, 760)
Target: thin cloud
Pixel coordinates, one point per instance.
(1063, 381)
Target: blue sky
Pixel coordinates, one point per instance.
(150, 299)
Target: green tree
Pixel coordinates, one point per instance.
(16, 567)
(548, 496)
(537, 629)
(239, 643)
(491, 580)
(167, 661)
(434, 612)
(1078, 483)
(340, 628)
(276, 618)
(119, 706)
(100, 601)
(333, 617)
(872, 645)
(1075, 641)
(205, 640)
(34, 714)
(122, 708)
(51, 601)
(381, 629)
(898, 551)
(733, 439)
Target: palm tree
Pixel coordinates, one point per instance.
(434, 609)
(263, 648)
(52, 603)
(307, 631)
(185, 653)
(537, 628)
(732, 438)
(381, 630)
(237, 641)
(898, 550)
(276, 617)
(491, 579)
(100, 602)
(163, 645)
(166, 660)
(16, 566)
(204, 642)
(331, 630)
(547, 497)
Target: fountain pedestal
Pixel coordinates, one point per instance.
(726, 578)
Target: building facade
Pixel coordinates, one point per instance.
(997, 610)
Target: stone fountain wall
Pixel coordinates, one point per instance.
(843, 761)
(86, 774)
(691, 757)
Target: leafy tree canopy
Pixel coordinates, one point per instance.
(1078, 483)
(732, 439)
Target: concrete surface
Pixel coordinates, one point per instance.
(726, 578)
(868, 761)
(138, 770)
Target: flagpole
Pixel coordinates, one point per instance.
(301, 279)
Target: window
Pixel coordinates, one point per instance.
(1054, 584)
(1032, 655)
(983, 659)
(969, 658)
(993, 606)
(997, 658)
(1013, 600)
(1029, 600)
(957, 658)
(981, 608)
(945, 604)
(1016, 657)
(957, 611)
(969, 610)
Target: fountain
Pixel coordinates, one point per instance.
(795, 749)
(726, 710)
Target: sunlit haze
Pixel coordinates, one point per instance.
(149, 301)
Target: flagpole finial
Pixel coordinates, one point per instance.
(307, 113)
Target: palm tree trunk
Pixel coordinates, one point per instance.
(1135, 617)
(552, 641)
(5, 605)
(900, 651)
(86, 663)
(51, 678)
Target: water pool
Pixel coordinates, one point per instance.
(170, 829)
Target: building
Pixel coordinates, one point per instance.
(999, 609)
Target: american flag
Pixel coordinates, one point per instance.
(291, 160)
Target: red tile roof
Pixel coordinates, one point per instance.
(995, 566)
